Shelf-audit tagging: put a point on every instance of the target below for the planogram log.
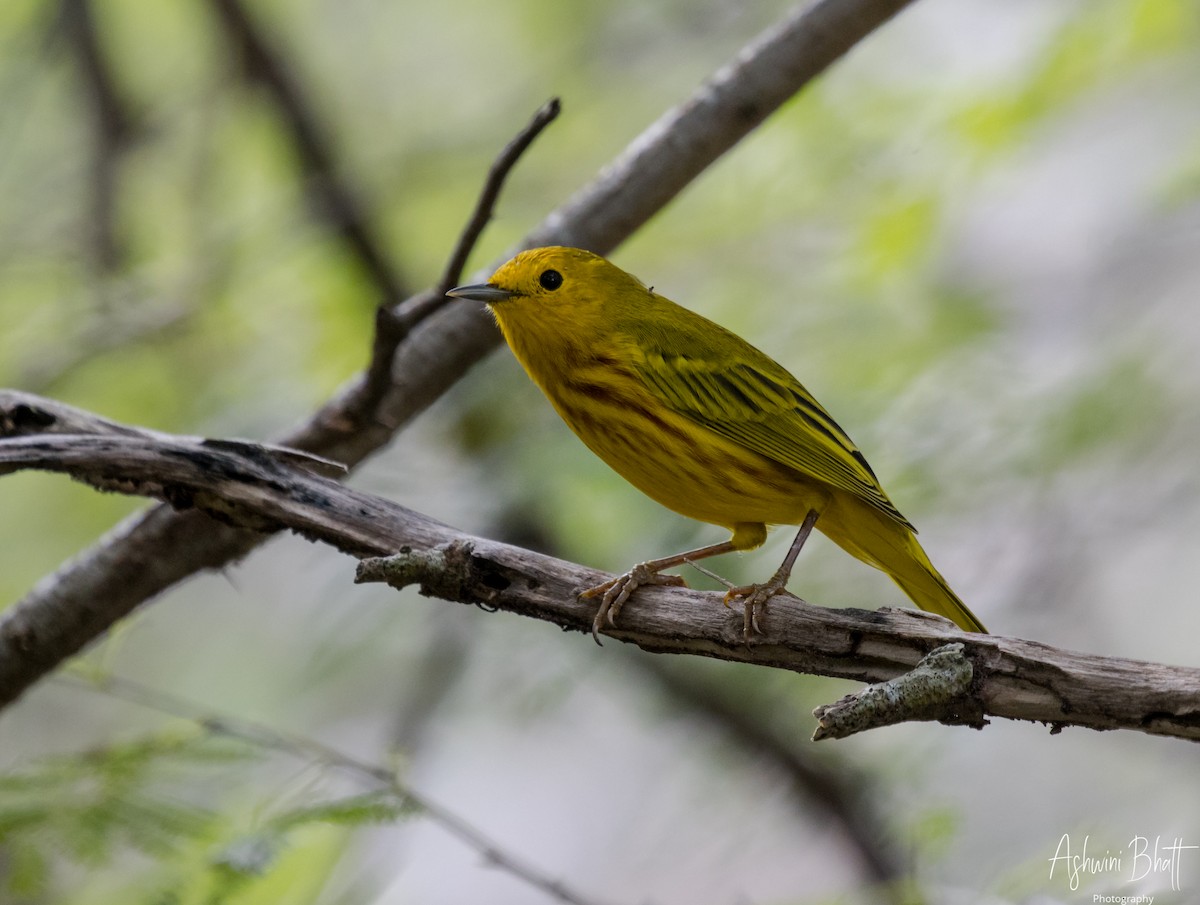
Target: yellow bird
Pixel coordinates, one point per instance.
(701, 421)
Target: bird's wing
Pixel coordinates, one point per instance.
(751, 400)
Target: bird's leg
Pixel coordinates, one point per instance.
(616, 591)
(755, 596)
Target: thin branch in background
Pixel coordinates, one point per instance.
(393, 325)
(832, 787)
(262, 736)
(112, 129)
(121, 329)
(331, 196)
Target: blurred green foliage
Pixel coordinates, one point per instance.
(123, 806)
(869, 236)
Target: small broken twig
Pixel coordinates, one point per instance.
(936, 689)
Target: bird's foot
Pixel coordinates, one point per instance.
(754, 599)
(614, 592)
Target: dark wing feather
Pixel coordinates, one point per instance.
(742, 395)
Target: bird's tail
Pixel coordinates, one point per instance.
(928, 590)
(876, 539)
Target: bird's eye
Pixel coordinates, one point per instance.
(550, 279)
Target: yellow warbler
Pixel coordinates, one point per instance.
(701, 421)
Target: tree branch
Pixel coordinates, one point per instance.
(148, 553)
(261, 489)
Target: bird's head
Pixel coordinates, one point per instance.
(554, 290)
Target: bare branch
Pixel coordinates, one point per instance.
(148, 553)
(1013, 679)
(658, 164)
(258, 489)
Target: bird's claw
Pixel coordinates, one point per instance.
(616, 591)
(754, 599)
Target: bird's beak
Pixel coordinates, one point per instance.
(482, 292)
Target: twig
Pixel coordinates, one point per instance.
(122, 325)
(150, 552)
(485, 206)
(260, 489)
(934, 687)
(260, 735)
(394, 324)
(332, 198)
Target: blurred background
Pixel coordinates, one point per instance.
(976, 242)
